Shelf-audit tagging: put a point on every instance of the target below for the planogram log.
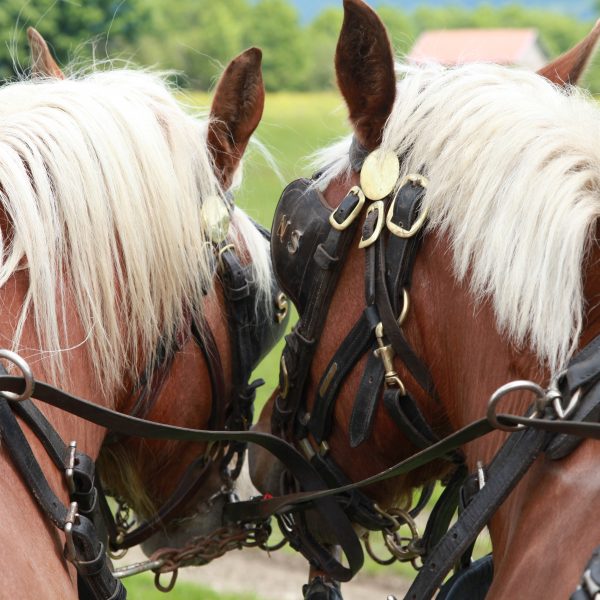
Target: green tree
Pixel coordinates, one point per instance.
(196, 37)
(322, 36)
(274, 26)
(98, 28)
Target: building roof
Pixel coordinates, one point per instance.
(458, 46)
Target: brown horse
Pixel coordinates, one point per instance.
(121, 251)
(504, 166)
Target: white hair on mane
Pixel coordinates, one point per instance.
(513, 164)
(103, 178)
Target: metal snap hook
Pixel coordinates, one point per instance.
(27, 373)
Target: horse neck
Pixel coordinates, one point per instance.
(469, 360)
(27, 531)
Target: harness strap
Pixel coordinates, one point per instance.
(289, 456)
(506, 470)
(347, 355)
(89, 555)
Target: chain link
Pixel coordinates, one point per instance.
(203, 549)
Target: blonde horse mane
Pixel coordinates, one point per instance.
(514, 169)
(102, 178)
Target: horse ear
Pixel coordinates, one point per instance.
(569, 67)
(42, 61)
(364, 65)
(236, 112)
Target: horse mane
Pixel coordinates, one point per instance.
(514, 169)
(102, 179)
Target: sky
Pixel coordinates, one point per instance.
(577, 8)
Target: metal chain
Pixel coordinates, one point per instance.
(200, 551)
(203, 549)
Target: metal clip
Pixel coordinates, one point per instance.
(480, 475)
(386, 354)
(70, 470)
(285, 384)
(70, 551)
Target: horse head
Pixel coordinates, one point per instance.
(131, 279)
(444, 249)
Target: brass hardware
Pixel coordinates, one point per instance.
(328, 378)
(379, 174)
(386, 354)
(380, 208)
(307, 448)
(222, 251)
(282, 307)
(397, 229)
(323, 448)
(286, 382)
(216, 218)
(284, 223)
(294, 243)
(350, 218)
(405, 307)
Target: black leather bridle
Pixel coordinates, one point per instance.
(309, 245)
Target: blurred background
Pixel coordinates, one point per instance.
(196, 37)
(194, 40)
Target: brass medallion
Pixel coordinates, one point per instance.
(379, 174)
(216, 218)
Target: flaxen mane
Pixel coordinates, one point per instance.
(514, 169)
(103, 178)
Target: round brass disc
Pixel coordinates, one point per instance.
(216, 218)
(379, 174)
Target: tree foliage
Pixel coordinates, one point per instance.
(197, 37)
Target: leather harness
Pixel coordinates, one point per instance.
(309, 245)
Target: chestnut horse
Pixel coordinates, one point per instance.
(120, 250)
(500, 170)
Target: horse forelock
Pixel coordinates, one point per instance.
(513, 164)
(102, 180)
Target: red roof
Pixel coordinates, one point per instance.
(458, 46)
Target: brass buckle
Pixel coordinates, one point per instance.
(378, 206)
(350, 218)
(396, 229)
(282, 307)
